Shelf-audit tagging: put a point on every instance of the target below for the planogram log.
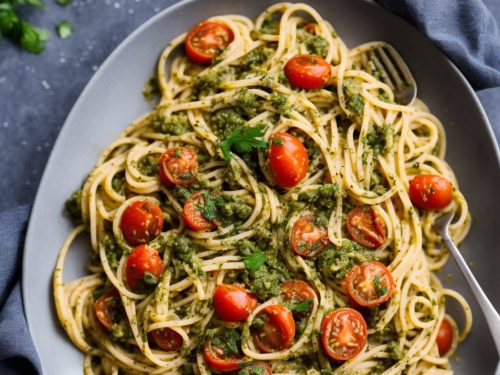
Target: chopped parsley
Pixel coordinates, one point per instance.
(381, 290)
(64, 29)
(302, 306)
(254, 261)
(150, 279)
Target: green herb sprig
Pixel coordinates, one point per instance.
(243, 139)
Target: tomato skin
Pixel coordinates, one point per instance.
(365, 227)
(298, 291)
(311, 28)
(141, 222)
(143, 259)
(288, 160)
(215, 358)
(233, 303)
(308, 239)
(106, 307)
(278, 330)
(167, 339)
(193, 218)
(430, 192)
(360, 285)
(261, 368)
(343, 334)
(205, 41)
(178, 166)
(444, 337)
(308, 72)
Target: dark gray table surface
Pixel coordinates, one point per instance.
(38, 91)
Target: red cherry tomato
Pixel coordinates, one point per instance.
(444, 337)
(143, 264)
(178, 166)
(206, 41)
(343, 334)
(311, 28)
(193, 212)
(233, 303)
(369, 284)
(430, 192)
(276, 331)
(107, 308)
(288, 160)
(218, 356)
(365, 227)
(298, 292)
(142, 221)
(260, 368)
(308, 72)
(308, 239)
(167, 339)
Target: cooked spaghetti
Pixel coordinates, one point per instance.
(273, 213)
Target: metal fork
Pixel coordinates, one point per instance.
(393, 71)
(492, 318)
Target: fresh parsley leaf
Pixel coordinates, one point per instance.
(381, 290)
(254, 261)
(231, 341)
(63, 3)
(32, 39)
(243, 139)
(302, 306)
(64, 29)
(150, 279)
(20, 32)
(209, 208)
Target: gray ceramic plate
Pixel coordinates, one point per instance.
(113, 99)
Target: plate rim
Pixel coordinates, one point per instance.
(29, 238)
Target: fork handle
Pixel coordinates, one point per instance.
(490, 313)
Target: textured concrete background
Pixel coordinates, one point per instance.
(38, 91)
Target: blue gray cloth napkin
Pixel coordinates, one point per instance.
(465, 30)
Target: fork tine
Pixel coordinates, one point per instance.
(390, 66)
(381, 69)
(400, 63)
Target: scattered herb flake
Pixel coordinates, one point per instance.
(64, 29)
(381, 290)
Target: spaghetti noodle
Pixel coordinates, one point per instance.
(226, 219)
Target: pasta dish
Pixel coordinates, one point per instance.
(273, 214)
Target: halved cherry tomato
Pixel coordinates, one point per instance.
(142, 221)
(206, 41)
(430, 192)
(288, 160)
(343, 334)
(369, 284)
(444, 337)
(108, 308)
(365, 227)
(276, 329)
(167, 339)
(217, 355)
(298, 292)
(143, 267)
(308, 72)
(311, 28)
(233, 303)
(308, 239)
(194, 209)
(260, 368)
(178, 166)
